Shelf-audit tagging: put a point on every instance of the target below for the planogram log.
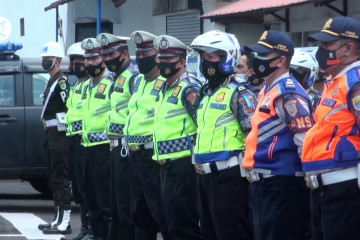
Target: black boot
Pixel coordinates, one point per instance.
(53, 222)
(99, 226)
(63, 224)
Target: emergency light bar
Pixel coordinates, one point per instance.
(10, 47)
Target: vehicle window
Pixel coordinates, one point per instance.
(7, 93)
(39, 85)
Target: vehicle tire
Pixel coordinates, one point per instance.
(41, 185)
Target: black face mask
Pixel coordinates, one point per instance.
(262, 67)
(146, 64)
(114, 64)
(211, 72)
(327, 57)
(167, 69)
(95, 70)
(48, 64)
(79, 70)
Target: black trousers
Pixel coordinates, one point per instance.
(145, 195)
(178, 198)
(281, 206)
(76, 165)
(123, 227)
(97, 190)
(336, 211)
(224, 205)
(58, 168)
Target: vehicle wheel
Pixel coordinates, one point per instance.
(41, 185)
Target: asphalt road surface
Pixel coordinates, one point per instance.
(22, 208)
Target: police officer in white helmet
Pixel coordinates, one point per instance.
(52, 115)
(305, 68)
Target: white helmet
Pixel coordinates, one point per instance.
(304, 68)
(52, 49)
(75, 50)
(222, 42)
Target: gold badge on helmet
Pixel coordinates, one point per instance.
(211, 71)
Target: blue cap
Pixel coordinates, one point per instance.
(273, 41)
(337, 28)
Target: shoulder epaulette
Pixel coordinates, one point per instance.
(289, 83)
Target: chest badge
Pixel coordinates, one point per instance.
(220, 97)
(101, 88)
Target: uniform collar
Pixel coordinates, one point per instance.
(345, 70)
(285, 75)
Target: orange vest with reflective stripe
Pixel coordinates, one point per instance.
(334, 140)
(270, 144)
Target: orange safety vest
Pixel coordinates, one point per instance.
(270, 144)
(334, 141)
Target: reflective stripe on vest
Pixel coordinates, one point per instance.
(119, 104)
(96, 105)
(270, 144)
(140, 120)
(219, 134)
(333, 141)
(74, 115)
(175, 130)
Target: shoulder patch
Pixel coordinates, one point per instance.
(62, 84)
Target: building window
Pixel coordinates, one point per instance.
(7, 94)
(300, 39)
(88, 30)
(171, 6)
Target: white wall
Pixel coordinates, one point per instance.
(39, 25)
(246, 33)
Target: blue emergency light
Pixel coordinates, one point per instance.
(10, 47)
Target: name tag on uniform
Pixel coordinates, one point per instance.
(173, 100)
(218, 106)
(329, 102)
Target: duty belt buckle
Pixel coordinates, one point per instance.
(200, 169)
(134, 148)
(252, 176)
(312, 182)
(162, 162)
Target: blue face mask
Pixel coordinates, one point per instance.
(241, 77)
